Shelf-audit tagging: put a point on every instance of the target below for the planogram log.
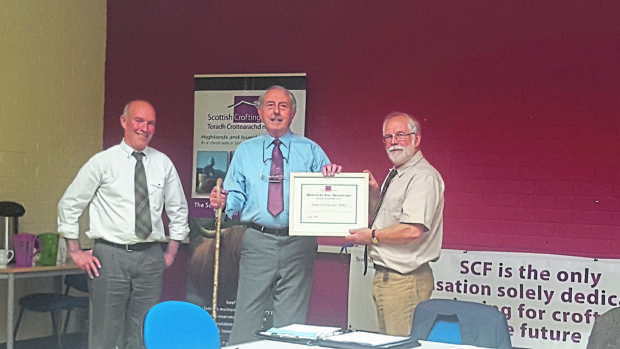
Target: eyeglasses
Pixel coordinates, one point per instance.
(397, 137)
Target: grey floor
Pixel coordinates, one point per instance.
(70, 341)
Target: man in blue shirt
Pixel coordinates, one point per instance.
(275, 269)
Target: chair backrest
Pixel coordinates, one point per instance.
(77, 281)
(605, 330)
(446, 330)
(180, 325)
(480, 324)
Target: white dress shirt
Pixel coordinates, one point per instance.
(106, 182)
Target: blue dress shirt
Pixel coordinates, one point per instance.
(247, 179)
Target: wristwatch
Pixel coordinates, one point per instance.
(373, 237)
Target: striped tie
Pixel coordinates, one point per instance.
(143, 211)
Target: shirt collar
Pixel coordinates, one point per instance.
(129, 150)
(285, 146)
(410, 163)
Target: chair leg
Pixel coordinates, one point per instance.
(19, 320)
(55, 330)
(66, 324)
(67, 318)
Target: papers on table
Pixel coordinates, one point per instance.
(367, 338)
(436, 345)
(362, 340)
(335, 338)
(296, 331)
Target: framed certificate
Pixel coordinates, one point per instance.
(328, 206)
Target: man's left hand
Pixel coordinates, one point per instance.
(171, 252)
(330, 170)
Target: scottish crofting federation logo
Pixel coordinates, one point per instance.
(244, 110)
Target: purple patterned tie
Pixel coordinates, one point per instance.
(275, 203)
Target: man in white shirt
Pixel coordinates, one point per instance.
(127, 186)
(407, 227)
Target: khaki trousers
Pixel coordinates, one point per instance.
(396, 296)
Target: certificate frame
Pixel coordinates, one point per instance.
(327, 206)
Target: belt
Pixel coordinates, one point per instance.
(266, 230)
(140, 246)
(390, 270)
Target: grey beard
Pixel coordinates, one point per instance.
(399, 158)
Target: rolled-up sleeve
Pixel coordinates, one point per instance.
(176, 206)
(75, 199)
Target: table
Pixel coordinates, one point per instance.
(266, 343)
(271, 344)
(11, 273)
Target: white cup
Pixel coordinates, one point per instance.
(5, 257)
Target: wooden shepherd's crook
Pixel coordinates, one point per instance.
(216, 264)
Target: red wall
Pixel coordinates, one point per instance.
(519, 100)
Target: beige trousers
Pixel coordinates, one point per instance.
(397, 295)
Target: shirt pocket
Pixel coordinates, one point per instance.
(156, 195)
(392, 206)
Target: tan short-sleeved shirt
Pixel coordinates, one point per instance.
(415, 195)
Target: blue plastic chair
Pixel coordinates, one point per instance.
(180, 325)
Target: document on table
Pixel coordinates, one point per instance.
(436, 345)
(368, 339)
(297, 331)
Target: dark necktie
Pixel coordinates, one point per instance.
(275, 203)
(388, 180)
(143, 211)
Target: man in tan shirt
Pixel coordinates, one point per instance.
(407, 228)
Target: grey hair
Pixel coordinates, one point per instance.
(261, 100)
(412, 123)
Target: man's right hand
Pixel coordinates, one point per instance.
(373, 186)
(218, 202)
(84, 259)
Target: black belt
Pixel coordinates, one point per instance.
(390, 270)
(140, 246)
(266, 230)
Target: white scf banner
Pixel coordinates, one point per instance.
(550, 301)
